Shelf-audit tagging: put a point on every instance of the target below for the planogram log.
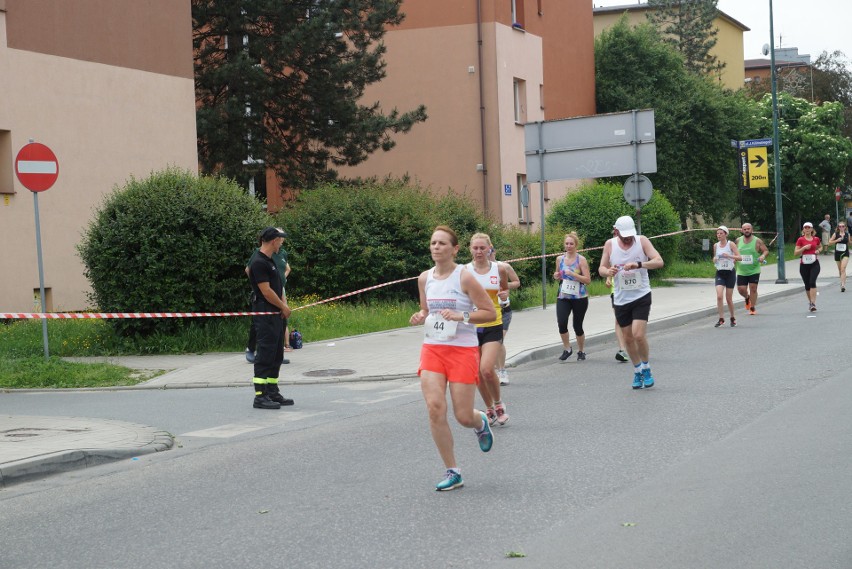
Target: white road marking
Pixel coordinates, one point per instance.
(234, 429)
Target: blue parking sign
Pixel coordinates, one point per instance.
(507, 189)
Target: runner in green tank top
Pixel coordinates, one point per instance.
(753, 252)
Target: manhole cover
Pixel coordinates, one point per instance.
(329, 372)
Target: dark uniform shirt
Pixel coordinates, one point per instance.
(263, 270)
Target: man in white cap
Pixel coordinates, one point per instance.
(626, 259)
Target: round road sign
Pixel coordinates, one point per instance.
(36, 167)
(637, 190)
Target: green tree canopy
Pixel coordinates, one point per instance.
(592, 210)
(280, 83)
(688, 26)
(695, 119)
(814, 158)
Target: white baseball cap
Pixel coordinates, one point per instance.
(723, 228)
(808, 224)
(625, 226)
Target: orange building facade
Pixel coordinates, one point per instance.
(483, 68)
(108, 86)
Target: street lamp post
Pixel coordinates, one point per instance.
(776, 151)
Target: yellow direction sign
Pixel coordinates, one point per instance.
(758, 168)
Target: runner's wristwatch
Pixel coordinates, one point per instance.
(466, 317)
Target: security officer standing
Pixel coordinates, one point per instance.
(268, 287)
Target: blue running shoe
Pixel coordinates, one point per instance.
(637, 380)
(647, 378)
(485, 436)
(451, 481)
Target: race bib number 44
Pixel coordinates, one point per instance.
(436, 328)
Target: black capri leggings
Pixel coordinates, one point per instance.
(564, 306)
(809, 274)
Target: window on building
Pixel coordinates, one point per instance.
(7, 162)
(523, 199)
(520, 87)
(517, 13)
(257, 186)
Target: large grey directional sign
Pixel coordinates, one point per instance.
(600, 146)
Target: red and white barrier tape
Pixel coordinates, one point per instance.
(132, 315)
(113, 315)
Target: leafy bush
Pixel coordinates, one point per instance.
(172, 242)
(592, 210)
(343, 239)
(514, 243)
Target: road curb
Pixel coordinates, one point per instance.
(668, 322)
(42, 466)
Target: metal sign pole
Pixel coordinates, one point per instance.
(636, 172)
(541, 204)
(776, 148)
(41, 277)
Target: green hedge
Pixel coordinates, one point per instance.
(344, 238)
(172, 242)
(592, 210)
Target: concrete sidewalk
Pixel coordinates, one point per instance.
(394, 354)
(36, 446)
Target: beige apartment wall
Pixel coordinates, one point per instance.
(518, 56)
(430, 66)
(105, 124)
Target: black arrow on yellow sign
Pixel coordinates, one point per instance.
(758, 161)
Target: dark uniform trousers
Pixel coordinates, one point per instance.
(270, 342)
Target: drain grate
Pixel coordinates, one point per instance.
(329, 372)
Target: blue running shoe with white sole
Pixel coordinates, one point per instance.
(637, 380)
(647, 378)
(485, 436)
(451, 481)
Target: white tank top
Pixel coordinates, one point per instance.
(490, 281)
(447, 293)
(724, 264)
(629, 285)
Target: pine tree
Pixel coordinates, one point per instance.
(688, 26)
(279, 84)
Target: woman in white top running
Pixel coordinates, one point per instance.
(725, 255)
(452, 303)
(492, 277)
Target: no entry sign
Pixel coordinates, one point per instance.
(36, 167)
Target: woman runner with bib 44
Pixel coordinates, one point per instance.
(452, 303)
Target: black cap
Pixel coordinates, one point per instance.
(271, 233)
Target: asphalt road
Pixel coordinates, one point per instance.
(739, 457)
